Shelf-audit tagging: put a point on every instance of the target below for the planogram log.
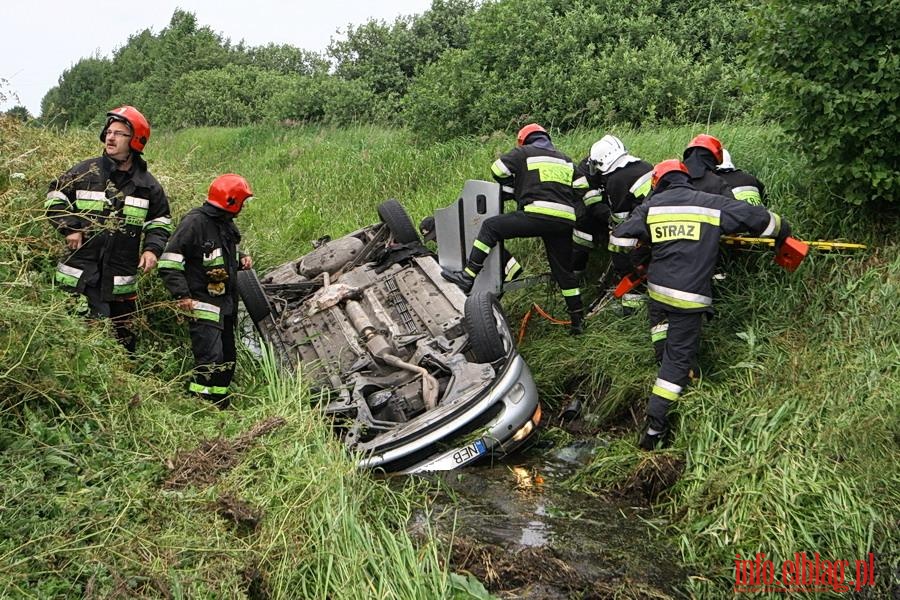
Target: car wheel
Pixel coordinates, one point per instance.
(483, 322)
(253, 296)
(395, 217)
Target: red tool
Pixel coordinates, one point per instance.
(631, 281)
(791, 253)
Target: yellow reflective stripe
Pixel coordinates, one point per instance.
(89, 205)
(571, 292)
(666, 389)
(55, 197)
(659, 332)
(677, 298)
(641, 187)
(206, 311)
(67, 275)
(213, 258)
(552, 209)
(482, 246)
(470, 272)
(747, 193)
(160, 223)
(124, 284)
(593, 197)
(512, 268)
(581, 183)
(199, 388)
(500, 169)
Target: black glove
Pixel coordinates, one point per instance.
(783, 234)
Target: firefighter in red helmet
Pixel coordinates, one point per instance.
(701, 156)
(199, 268)
(682, 226)
(539, 178)
(115, 218)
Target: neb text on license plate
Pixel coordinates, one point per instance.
(467, 453)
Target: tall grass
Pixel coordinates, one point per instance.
(86, 433)
(789, 440)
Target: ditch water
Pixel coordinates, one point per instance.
(523, 534)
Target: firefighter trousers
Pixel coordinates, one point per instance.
(591, 232)
(676, 342)
(119, 311)
(557, 238)
(215, 357)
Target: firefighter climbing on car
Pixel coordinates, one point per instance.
(539, 178)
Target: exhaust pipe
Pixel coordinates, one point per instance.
(381, 349)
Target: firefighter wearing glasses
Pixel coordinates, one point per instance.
(683, 225)
(199, 268)
(115, 218)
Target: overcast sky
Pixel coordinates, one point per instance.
(39, 39)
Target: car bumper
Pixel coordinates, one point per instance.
(516, 420)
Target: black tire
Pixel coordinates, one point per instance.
(480, 321)
(395, 217)
(253, 296)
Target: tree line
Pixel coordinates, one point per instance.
(827, 71)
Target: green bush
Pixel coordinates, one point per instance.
(587, 63)
(833, 74)
(233, 95)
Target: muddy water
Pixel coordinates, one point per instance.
(524, 535)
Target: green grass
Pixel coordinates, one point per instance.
(789, 441)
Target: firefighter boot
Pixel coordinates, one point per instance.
(656, 430)
(576, 327)
(460, 278)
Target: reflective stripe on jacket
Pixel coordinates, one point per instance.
(541, 179)
(204, 245)
(120, 213)
(683, 226)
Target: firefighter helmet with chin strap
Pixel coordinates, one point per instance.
(665, 167)
(709, 142)
(523, 134)
(608, 154)
(140, 127)
(229, 192)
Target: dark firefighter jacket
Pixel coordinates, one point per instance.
(744, 186)
(539, 177)
(702, 166)
(622, 190)
(113, 209)
(201, 262)
(683, 226)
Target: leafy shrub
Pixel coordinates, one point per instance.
(833, 73)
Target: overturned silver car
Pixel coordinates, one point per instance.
(415, 376)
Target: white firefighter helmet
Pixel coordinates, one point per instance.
(726, 164)
(608, 154)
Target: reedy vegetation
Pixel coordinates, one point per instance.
(789, 441)
(86, 431)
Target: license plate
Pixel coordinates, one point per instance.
(468, 452)
(452, 459)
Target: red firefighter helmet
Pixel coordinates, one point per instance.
(229, 192)
(710, 143)
(140, 127)
(528, 130)
(664, 167)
